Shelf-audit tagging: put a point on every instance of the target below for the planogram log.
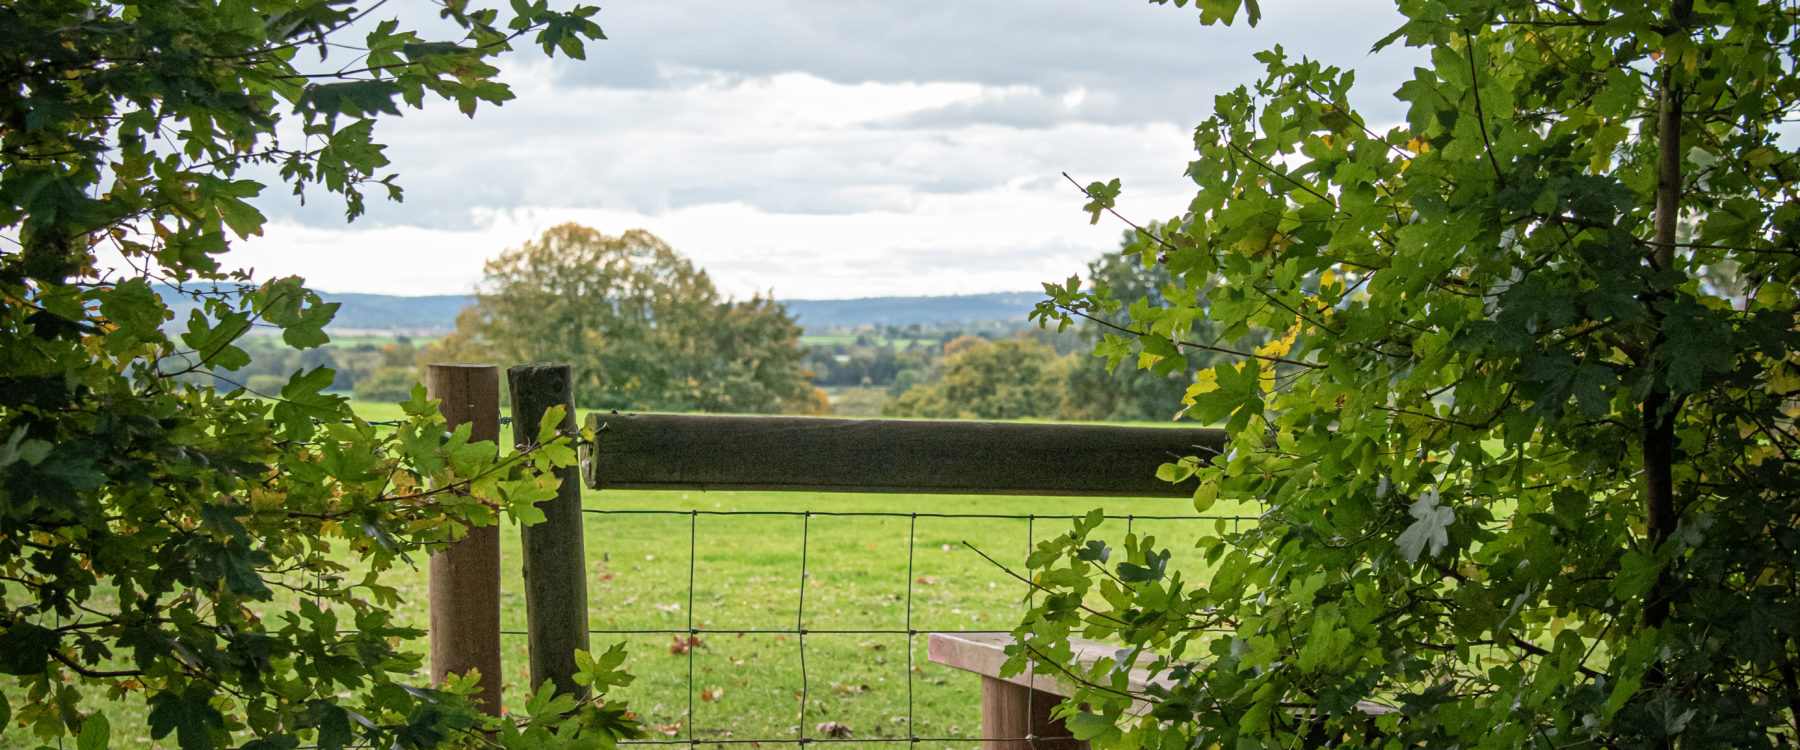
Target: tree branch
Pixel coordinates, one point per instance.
(1189, 344)
(1480, 115)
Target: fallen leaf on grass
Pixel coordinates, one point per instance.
(679, 645)
(711, 694)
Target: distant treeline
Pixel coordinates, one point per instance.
(436, 314)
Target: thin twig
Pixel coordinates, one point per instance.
(1120, 217)
(1480, 115)
(1190, 344)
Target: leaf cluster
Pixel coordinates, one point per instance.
(215, 553)
(1520, 439)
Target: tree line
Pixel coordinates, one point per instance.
(646, 330)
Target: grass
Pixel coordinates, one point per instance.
(858, 401)
(859, 573)
(747, 574)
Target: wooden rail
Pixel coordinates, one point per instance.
(706, 452)
(679, 451)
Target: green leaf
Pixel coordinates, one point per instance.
(550, 423)
(354, 98)
(604, 672)
(25, 648)
(190, 716)
(1093, 728)
(17, 448)
(96, 733)
(303, 400)
(1174, 473)
(214, 342)
(1153, 569)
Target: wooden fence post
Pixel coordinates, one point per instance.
(555, 553)
(465, 575)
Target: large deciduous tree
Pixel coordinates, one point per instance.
(211, 552)
(1521, 449)
(641, 326)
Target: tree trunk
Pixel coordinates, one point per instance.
(1660, 409)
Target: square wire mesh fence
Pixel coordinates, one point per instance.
(783, 621)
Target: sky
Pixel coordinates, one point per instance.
(822, 149)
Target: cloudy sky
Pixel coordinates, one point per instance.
(823, 148)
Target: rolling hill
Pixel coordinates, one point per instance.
(437, 314)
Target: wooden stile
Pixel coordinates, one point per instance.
(706, 452)
(464, 585)
(555, 572)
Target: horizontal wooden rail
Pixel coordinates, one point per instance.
(706, 452)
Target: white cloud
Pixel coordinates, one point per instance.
(820, 148)
(1002, 239)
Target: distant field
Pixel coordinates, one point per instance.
(846, 339)
(882, 573)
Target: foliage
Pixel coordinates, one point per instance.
(642, 328)
(1522, 443)
(1006, 379)
(1150, 387)
(386, 384)
(211, 553)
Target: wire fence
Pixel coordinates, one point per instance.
(804, 732)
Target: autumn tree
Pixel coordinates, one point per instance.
(641, 326)
(1521, 448)
(1005, 379)
(184, 543)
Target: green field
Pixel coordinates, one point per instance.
(861, 573)
(848, 339)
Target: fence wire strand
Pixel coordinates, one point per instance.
(910, 630)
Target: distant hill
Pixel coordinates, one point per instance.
(365, 312)
(384, 312)
(819, 314)
(437, 314)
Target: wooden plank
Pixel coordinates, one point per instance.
(464, 581)
(1018, 718)
(556, 603)
(708, 452)
(984, 653)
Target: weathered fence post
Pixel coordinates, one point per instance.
(465, 575)
(555, 553)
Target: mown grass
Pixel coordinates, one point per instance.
(748, 573)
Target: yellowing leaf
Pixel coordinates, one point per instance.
(1206, 381)
(1784, 381)
(1281, 346)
